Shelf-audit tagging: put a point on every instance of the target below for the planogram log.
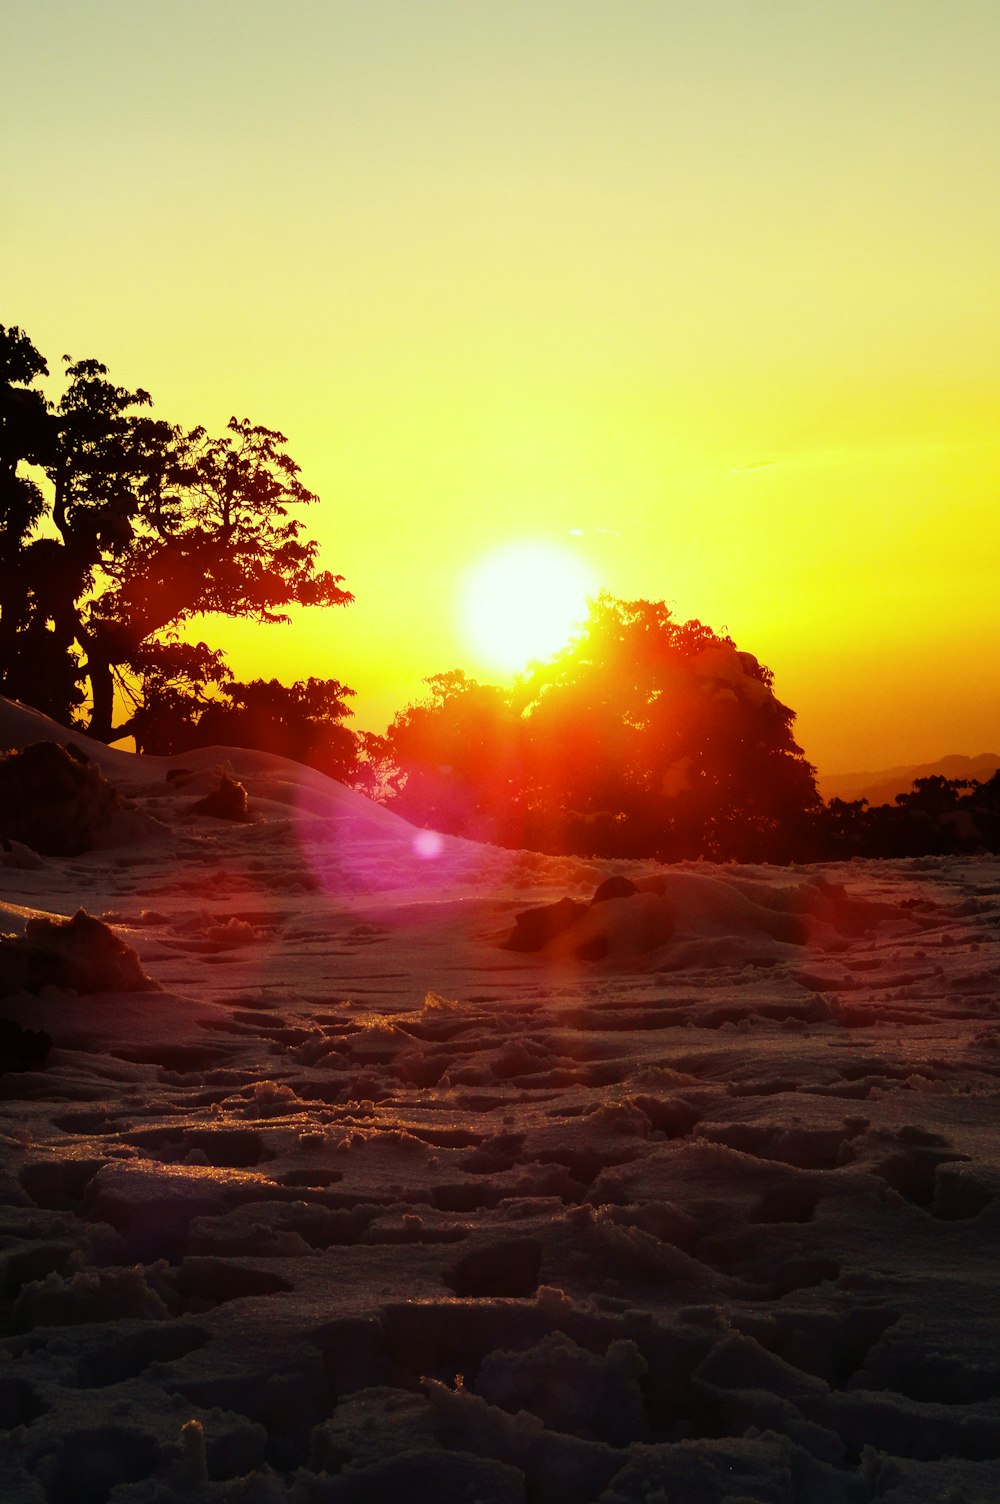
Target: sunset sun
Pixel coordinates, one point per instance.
(522, 601)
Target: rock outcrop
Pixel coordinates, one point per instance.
(53, 799)
(82, 953)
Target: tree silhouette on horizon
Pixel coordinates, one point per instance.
(646, 736)
(141, 527)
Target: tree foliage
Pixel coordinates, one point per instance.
(303, 721)
(126, 528)
(647, 736)
(935, 817)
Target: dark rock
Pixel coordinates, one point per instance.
(227, 802)
(53, 799)
(22, 1049)
(81, 953)
(534, 928)
(614, 887)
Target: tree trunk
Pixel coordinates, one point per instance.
(106, 644)
(102, 685)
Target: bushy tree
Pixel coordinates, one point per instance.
(935, 817)
(142, 527)
(303, 721)
(671, 731)
(452, 761)
(647, 736)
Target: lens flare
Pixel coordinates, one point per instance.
(428, 844)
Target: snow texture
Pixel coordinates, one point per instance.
(695, 1200)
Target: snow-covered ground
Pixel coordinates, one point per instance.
(697, 1204)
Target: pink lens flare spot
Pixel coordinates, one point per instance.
(428, 844)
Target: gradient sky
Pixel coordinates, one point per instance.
(706, 290)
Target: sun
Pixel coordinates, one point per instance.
(522, 601)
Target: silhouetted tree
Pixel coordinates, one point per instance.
(842, 829)
(144, 527)
(647, 736)
(451, 762)
(936, 817)
(669, 729)
(984, 805)
(934, 795)
(302, 721)
(30, 659)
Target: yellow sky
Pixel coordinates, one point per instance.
(705, 290)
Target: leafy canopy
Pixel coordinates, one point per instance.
(647, 736)
(116, 528)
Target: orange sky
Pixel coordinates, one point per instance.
(705, 292)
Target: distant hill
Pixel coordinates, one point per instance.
(882, 787)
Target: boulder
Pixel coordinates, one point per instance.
(534, 928)
(614, 887)
(82, 953)
(54, 799)
(227, 802)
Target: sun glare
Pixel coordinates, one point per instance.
(522, 601)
